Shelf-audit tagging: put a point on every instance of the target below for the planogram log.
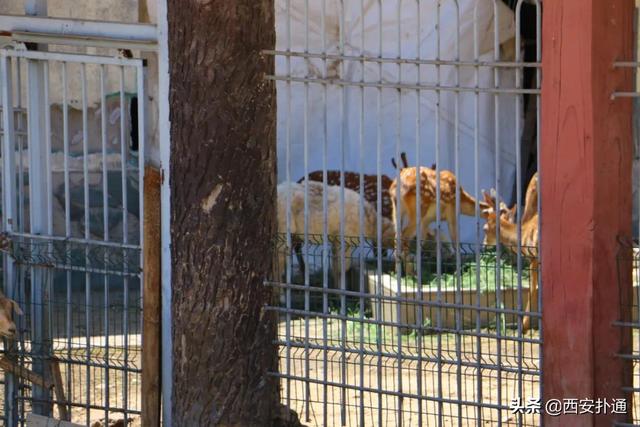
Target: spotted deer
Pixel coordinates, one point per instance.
(531, 199)
(407, 207)
(352, 182)
(509, 238)
(291, 199)
(530, 202)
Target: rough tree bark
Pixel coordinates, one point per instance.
(223, 211)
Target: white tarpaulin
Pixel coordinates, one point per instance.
(351, 118)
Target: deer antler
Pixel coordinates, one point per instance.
(403, 156)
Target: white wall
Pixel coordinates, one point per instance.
(106, 10)
(439, 127)
(110, 10)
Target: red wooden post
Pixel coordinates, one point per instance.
(586, 152)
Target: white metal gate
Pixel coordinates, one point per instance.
(71, 206)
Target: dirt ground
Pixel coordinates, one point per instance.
(82, 384)
(457, 371)
(443, 374)
(97, 392)
(446, 370)
(98, 386)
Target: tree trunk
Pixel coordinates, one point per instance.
(222, 211)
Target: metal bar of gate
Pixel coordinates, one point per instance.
(73, 58)
(378, 290)
(397, 138)
(477, 246)
(67, 218)
(142, 34)
(40, 224)
(125, 239)
(141, 90)
(9, 200)
(343, 278)
(105, 231)
(361, 220)
(87, 235)
(38, 220)
(37, 181)
(307, 295)
(325, 232)
(497, 148)
(22, 226)
(409, 61)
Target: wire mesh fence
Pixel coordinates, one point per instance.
(98, 376)
(386, 350)
(629, 252)
(71, 242)
(407, 297)
(629, 255)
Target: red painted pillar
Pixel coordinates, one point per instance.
(586, 151)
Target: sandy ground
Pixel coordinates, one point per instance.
(439, 376)
(424, 377)
(447, 371)
(97, 391)
(84, 384)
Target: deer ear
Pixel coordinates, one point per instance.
(16, 308)
(393, 163)
(487, 198)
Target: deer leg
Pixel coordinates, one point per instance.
(410, 259)
(297, 247)
(411, 266)
(347, 264)
(402, 258)
(452, 223)
(399, 252)
(337, 266)
(533, 296)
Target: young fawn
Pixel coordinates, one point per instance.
(352, 182)
(509, 238)
(530, 202)
(428, 204)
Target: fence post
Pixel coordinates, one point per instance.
(585, 162)
(151, 309)
(9, 214)
(38, 210)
